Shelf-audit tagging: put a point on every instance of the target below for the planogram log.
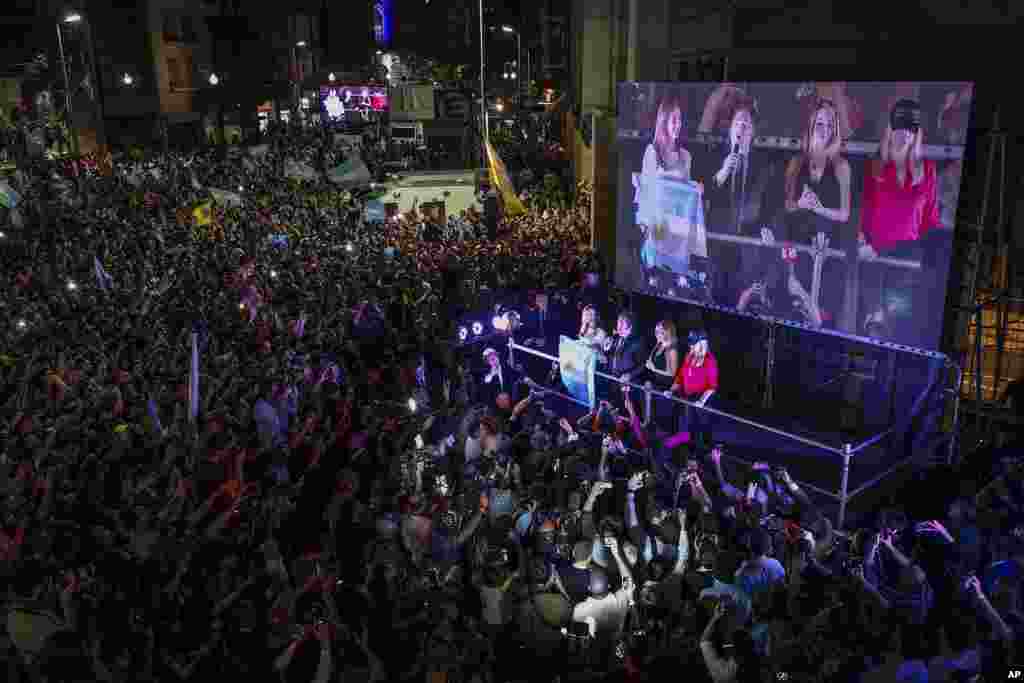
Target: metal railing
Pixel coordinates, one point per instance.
(843, 494)
(846, 451)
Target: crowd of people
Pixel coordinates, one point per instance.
(288, 513)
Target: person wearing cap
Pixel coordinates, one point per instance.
(696, 381)
(901, 206)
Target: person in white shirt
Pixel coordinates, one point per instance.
(605, 611)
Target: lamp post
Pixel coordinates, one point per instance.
(483, 86)
(72, 18)
(297, 86)
(518, 73)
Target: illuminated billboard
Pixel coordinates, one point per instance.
(828, 204)
(350, 102)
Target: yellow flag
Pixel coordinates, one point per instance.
(501, 182)
(203, 214)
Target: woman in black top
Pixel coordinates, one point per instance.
(818, 201)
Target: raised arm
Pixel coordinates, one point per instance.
(995, 620)
(587, 526)
(683, 547)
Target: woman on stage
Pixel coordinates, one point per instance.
(662, 366)
(590, 327)
(696, 381)
(663, 363)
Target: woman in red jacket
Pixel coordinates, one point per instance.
(696, 381)
(900, 207)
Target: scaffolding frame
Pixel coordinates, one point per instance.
(973, 331)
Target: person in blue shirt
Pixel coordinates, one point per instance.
(759, 573)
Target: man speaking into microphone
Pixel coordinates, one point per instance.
(741, 191)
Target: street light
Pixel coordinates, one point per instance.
(73, 18)
(301, 43)
(214, 80)
(519, 57)
(127, 79)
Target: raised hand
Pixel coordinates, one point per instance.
(808, 200)
(866, 252)
(820, 242)
(636, 482)
(612, 544)
(767, 236)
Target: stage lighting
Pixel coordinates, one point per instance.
(349, 247)
(463, 333)
(72, 286)
(273, 273)
(22, 324)
(672, 291)
(652, 281)
(412, 405)
(2, 235)
(478, 328)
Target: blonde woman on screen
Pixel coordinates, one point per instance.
(665, 156)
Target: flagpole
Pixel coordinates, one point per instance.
(193, 383)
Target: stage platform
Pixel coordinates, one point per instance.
(841, 415)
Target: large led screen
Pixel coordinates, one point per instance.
(349, 102)
(827, 204)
